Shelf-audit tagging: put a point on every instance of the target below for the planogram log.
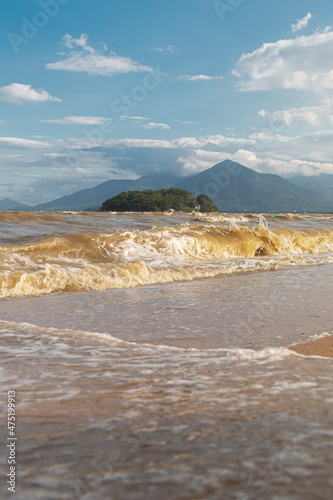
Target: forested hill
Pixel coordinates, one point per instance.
(158, 201)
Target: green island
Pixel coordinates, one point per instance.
(158, 201)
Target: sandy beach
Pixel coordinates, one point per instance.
(208, 376)
(320, 347)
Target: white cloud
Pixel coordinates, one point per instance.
(296, 166)
(152, 125)
(261, 136)
(196, 78)
(200, 159)
(246, 157)
(218, 141)
(303, 63)
(312, 115)
(2, 122)
(180, 143)
(301, 23)
(18, 93)
(222, 140)
(21, 143)
(256, 143)
(83, 58)
(11, 156)
(138, 118)
(169, 48)
(79, 120)
(184, 122)
(55, 155)
(70, 42)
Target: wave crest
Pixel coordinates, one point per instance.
(96, 261)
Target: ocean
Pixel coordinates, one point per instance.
(170, 356)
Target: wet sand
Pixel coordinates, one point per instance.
(102, 419)
(320, 347)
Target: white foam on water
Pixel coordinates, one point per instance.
(266, 355)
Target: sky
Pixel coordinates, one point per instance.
(92, 90)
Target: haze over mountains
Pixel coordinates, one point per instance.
(322, 183)
(231, 186)
(8, 204)
(93, 198)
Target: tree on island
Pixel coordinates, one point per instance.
(158, 201)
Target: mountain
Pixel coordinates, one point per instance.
(235, 188)
(322, 183)
(231, 186)
(93, 198)
(8, 204)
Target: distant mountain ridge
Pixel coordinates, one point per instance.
(322, 183)
(231, 186)
(8, 204)
(93, 198)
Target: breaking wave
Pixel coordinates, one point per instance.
(97, 261)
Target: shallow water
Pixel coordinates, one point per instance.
(170, 389)
(266, 309)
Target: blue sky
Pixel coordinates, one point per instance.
(94, 90)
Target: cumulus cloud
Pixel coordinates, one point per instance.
(201, 159)
(70, 42)
(84, 58)
(288, 167)
(79, 120)
(301, 23)
(197, 78)
(302, 63)
(312, 115)
(18, 93)
(152, 125)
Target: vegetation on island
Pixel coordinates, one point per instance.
(158, 201)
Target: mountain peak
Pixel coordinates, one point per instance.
(235, 188)
(231, 166)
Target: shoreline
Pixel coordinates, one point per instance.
(265, 309)
(320, 347)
